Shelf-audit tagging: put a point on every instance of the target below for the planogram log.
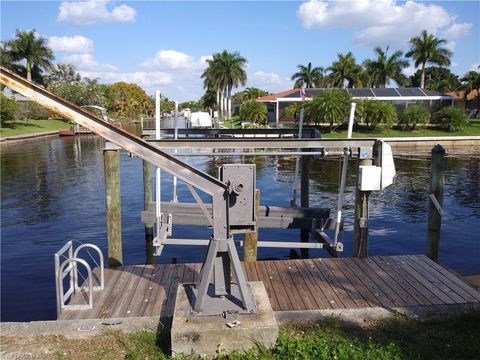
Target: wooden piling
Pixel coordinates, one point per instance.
(250, 239)
(305, 199)
(147, 199)
(111, 156)
(360, 229)
(437, 181)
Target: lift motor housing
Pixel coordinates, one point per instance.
(241, 196)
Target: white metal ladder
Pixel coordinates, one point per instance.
(69, 267)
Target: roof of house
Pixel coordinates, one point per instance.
(274, 97)
(371, 93)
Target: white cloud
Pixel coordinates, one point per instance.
(474, 67)
(175, 60)
(410, 70)
(92, 11)
(86, 62)
(458, 30)
(380, 22)
(74, 44)
(269, 81)
(146, 80)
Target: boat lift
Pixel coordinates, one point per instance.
(233, 193)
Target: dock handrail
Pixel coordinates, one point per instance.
(69, 268)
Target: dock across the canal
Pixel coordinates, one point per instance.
(407, 283)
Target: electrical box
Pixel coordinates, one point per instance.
(383, 158)
(369, 178)
(241, 198)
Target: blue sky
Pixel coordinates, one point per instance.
(163, 45)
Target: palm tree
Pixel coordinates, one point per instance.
(344, 69)
(308, 75)
(224, 72)
(212, 80)
(471, 83)
(251, 93)
(385, 68)
(29, 46)
(63, 73)
(426, 48)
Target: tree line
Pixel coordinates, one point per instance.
(29, 55)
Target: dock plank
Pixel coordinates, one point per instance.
(435, 296)
(316, 291)
(381, 281)
(115, 295)
(296, 302)
(389, 268)
(350, 283)
(154, 307)
(277, 285)
(360, 294)
(301, 288)
(458, 286)
(292, 285)
(337, 287)
(121, 310)
(265, 277)
(322, 282)
(138, 298)
(392, 282)
(380, 297)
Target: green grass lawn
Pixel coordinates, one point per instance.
(25, 127)
(453, 336)
(473, 129)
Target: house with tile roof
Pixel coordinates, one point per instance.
(400, 97)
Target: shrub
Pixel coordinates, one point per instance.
(31, 111)
(377, 112)
(7, 108)
(413, 116)
(292, 111)
(253, 111)
(450, 119)
(330, 105)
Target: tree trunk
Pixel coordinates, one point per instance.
(221, 103)
(225, 102)
(229, 104)
(422, 80)
(218, 102)
(29, 71)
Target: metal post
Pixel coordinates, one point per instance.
(305, 199)
(147, 199)
(437, 181)
(158, 198)
(250, 240)
(175, 198)
(111, 156)
(360, 229)
(293, 202)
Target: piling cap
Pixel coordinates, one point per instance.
(438, 149)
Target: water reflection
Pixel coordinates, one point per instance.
(53, 191)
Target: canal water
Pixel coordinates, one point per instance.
(52, 191)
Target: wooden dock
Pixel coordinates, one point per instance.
(293, 285)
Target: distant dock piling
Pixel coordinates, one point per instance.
(437, 181)
(113, 209)
(360, 228)
(305, 199)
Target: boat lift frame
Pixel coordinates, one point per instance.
(221, 245)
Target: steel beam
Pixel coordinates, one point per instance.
(262, 143)
(118, 136)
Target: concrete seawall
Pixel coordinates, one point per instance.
(423, 145)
